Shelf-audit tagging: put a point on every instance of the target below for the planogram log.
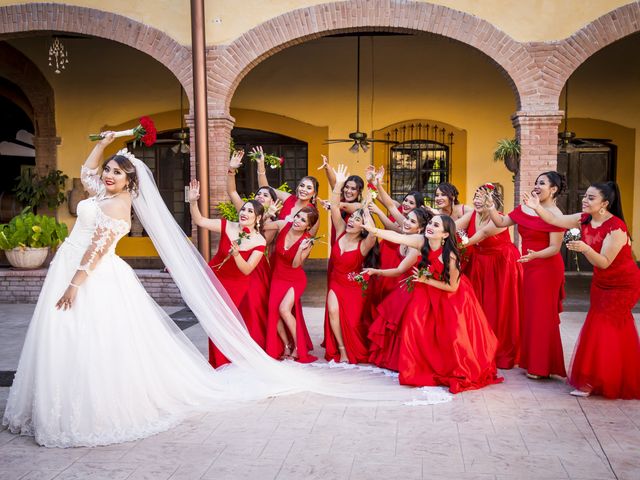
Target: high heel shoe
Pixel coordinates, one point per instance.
(343, 355)
(288, 350)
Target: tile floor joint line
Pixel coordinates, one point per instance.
(597, 439)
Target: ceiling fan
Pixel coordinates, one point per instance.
(182, 146)
(359, 139)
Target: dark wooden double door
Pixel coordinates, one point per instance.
(583, 162)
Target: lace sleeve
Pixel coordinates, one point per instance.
(107, 232)
(91, 180)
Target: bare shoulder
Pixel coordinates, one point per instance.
(117, 207)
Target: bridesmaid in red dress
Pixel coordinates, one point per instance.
(397, 210)
(391, 297)
(235, 259)
(306, 193)
(540, 343)
(445, 338)
(496, 275)
(446, 202)
(345, 331)
(606, 360)
(350, 197)
(254, 307)
(287, 334)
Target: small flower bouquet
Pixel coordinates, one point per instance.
(362, 279)
(272, 160)
(463, 240)
(244, 233)
(573, 235)
(409, 282)
(373, 190)
(145, 132)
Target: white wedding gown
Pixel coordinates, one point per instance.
(115, 367)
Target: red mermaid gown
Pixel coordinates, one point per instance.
(254, 307)
(237, 285)
(606, 359)
(351, 302)
(384, 333)
(540, 343)
(446, 338)
(283, 278)
(496, 277)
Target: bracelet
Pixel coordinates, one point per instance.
(232, 171)
(263, 172)
(74, 285)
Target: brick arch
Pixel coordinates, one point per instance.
(16, 19)
(26, 76)
(232, 62)
(568, 54)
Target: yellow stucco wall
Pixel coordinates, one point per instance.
(524, 20)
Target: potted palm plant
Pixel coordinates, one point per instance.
(508, 151)
(27, 238)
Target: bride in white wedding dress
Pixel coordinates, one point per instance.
(102, 363)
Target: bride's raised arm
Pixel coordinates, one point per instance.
(89, 173)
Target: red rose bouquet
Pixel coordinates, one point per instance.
(362, 279)
(145, 132)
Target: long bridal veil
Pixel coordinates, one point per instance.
(251, 369)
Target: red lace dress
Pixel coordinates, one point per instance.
(606, 359)
(284, 278)
(237, 285)
(287, 207)
(351, 302)
(540, 343)
(446, 338)
(497, 277)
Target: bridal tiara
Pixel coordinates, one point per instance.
(127, 154)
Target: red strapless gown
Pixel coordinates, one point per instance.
(384, 333)
(607, 356)
(351, 302)
(446, 338)
(540, 343)
(283, 278)
(496, 277)
(237, 285)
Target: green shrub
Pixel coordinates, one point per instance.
(29, 230)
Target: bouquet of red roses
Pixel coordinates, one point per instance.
(362, 279)
(145, 132)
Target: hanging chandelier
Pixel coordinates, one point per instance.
(58, 56)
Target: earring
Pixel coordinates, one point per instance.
(257, 224)
(442, 243)
(602, 211)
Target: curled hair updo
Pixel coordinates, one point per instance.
(127, 167)
(556, 180)
(258, 210)
(450, 191)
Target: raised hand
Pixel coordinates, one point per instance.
(531, 200)
(370, 174)
(194, 191)
(341, 174)
(107, 138)
(236, 159)
(379, 175)
(258, 152)
(326, 204)
(274, 208)
(325, 163)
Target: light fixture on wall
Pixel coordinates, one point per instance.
(566, 135)
(58, 56)
(182, 136)
(359, 139)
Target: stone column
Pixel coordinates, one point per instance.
(537, 132)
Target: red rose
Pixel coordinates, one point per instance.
(371, 186)
(246, 230)
(365, 277)
(281, 160)
(146, 123)
(489, 186)
(149, 138)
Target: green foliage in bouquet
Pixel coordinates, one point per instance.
(34, 231)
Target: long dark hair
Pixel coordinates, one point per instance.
(450, 191)
(611, 193)
(417, 196)
(127, 167)
(556, 180)
(450, 247)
